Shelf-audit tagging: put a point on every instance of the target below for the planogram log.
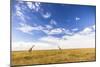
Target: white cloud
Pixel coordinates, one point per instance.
(25, 28)
(86, 31)
(34, 6)
(53, 22)
(30, 5)
(49, 42)
(17, 7)
(93, 27)
(46, 15)
(68, 32)
(45, 31)
(53, 31)
(82, 39)
(48, 29)
(48, 26)
(19, 13)
(76, 41)
(37, 4)
(56, 31)
(28, 28)
(77, 18)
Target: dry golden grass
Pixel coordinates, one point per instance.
(52, 56)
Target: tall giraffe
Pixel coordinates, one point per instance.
(59, 47)
(30, 50)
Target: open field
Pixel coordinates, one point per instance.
(52, 56)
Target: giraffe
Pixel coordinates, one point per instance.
(59, 47)
(30, 50)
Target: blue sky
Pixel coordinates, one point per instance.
(32, 21)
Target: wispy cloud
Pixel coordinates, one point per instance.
(33, 6)
(30, 5)
(48, 29)
(46, 15)
(93, 27)
(66, 42)
(75, 41)
(20, 13)
(56, 31)
(37, 4)
(53, 22)
(88, 30)
(77, 18)
(36, 7)
(48, 26)
(25, 28)
(17, 7)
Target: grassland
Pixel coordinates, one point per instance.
(52, 56)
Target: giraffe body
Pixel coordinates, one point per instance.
(30, 50)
